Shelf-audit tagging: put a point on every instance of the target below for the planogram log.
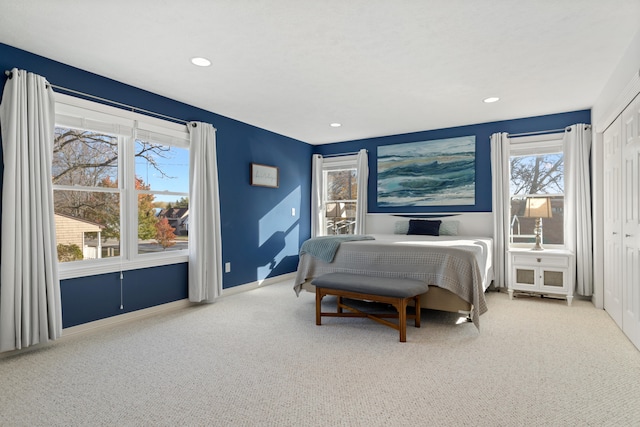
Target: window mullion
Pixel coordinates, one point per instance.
(129, 220)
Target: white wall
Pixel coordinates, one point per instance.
(621, 86)
(478, 224)
(609, 99)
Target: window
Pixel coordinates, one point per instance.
(340, 186)
(121, 189)
(537, 173)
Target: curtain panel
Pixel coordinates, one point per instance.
(205, 243)
(363, 179)
(579, 235)
(30, 305)
(316, 196)
(500, 206)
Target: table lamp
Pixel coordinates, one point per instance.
(538, 208)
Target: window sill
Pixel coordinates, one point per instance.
(93, 268)
(531, 245)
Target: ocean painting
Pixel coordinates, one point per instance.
(428, 173)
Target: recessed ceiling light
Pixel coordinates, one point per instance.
(490, 100)
(336, 125)
(200, 62)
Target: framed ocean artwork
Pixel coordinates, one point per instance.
(428, 173)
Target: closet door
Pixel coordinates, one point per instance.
(612, 149)
(631, 221)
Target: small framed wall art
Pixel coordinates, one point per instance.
(264, 176)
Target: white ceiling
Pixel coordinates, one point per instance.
(379, 67)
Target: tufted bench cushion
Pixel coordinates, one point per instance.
(383, 286)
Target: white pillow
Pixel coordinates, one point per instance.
(449, 228)
(401, 227)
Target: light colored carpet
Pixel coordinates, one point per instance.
(258, 359)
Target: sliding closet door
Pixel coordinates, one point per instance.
(631, 221)
(612, 149)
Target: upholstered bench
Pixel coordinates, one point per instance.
(395, 291)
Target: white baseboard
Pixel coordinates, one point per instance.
(96, 325)
(168, 307)
(147, 312)
(258, 284)
(165, 308)
(126, 317)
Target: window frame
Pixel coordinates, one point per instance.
(531, 146)
(334, 164)
(77, 113)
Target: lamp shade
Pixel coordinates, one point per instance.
(538, 207)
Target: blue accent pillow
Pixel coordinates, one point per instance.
(424, 227)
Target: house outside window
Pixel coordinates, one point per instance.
(340, 186)
(536, 167)
(119, 179)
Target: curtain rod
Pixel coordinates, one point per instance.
(342, 154)
(9, 74)
(542, 132)
(545, 132)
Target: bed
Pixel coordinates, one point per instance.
(457, 269)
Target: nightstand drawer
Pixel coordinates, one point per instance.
(546, 260)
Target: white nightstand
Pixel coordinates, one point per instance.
(550, 271)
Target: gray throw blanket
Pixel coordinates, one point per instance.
(325, 247)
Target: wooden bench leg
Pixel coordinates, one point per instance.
(402, 319)
(416, 299)
(318, 306)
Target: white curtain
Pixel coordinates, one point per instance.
(205, 243)
(316, 196)
(577, 150)
(500, 206)
(30, 307)
(363, 179)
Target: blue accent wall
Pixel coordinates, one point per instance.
(482, 133)
(97, 297)
(260, 236)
